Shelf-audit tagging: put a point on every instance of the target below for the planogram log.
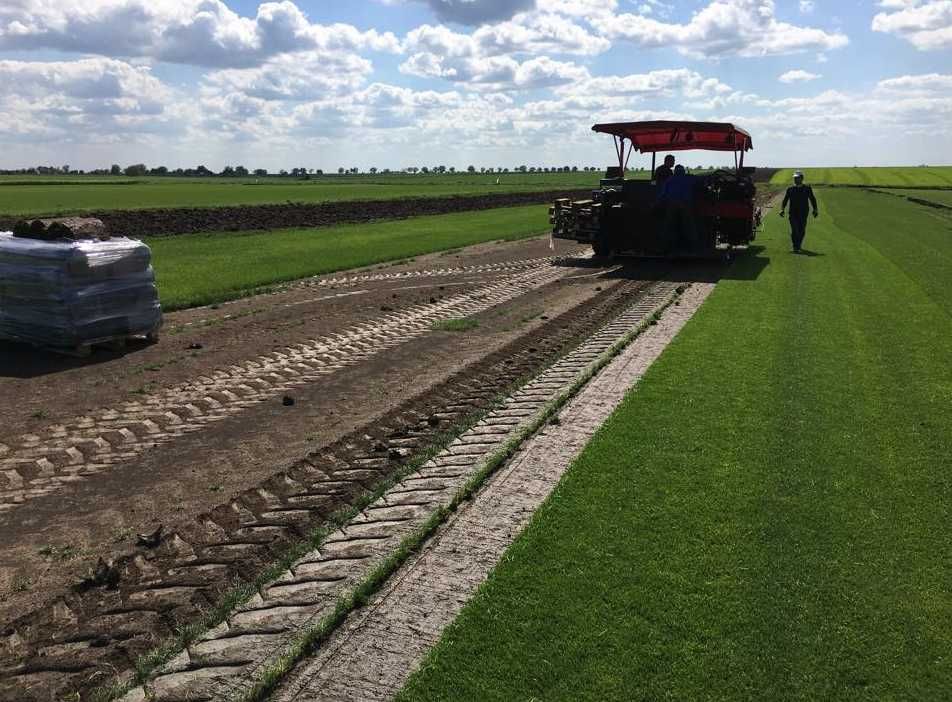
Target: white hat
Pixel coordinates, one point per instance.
(797, 174)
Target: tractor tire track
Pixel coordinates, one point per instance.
(225, 662)
(34, 465)
(85, 635)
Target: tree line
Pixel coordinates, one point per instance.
(140, 169)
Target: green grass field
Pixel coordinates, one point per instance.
(937, 176)
(201, 269)
(942, 197)
(767, 522)
(44, 195)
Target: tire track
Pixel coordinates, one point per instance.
(225, 662)
(36, 465)
(84, 636)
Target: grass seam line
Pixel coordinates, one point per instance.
(310, 638)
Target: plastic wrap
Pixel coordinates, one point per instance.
(74, 293)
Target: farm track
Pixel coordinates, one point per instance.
(169, 222)
(33, 465)
(225, 662)
(83, 637)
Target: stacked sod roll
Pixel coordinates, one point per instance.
(64, 284)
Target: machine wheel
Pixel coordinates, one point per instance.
(601, 248)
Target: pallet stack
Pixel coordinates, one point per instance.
(69, 287)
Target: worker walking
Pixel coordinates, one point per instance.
(799, 197)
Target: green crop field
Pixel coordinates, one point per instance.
(200, 269)
(768, 522)
(925, 176)
(20, 196)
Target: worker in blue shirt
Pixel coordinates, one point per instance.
(678, 198)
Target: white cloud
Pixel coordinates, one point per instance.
(926, 25)
(197, 32)
(655, 84)
(798, 76)
(807, 6)
(296, 78)
(88, 98)
(723, 28)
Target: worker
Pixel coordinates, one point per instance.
(664, 171)
(799, 197)
(678, 198)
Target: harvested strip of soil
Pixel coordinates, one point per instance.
(168, 222)
(76, 643)
(371, 657)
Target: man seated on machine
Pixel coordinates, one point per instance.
(678, 197)
(664, 171)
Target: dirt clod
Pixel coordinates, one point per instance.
(150, 540)
(287, 401)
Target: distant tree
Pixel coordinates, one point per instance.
(425, 169)
(261, 172)
(319, 171)
(452, 169)
(227, 172)
(282, 172)
(574, 169)
(355, 170)
(340, 171)
(65, 169)
(471, 169)
(386, 171)
(136, 169)
(203, 171)
(115, 170)
(373, 170)
(241, 171)
(160, 171)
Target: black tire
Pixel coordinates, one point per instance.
(601, 248)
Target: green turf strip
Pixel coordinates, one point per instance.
(938, 176)
(766, 516)
(203, 269)
(21, 196)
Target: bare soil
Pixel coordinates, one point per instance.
(205, 487)
(166, 222)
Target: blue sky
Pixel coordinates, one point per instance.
(397, 83)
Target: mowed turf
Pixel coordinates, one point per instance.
(940, 197)
(21, 196)
(912, 176)
(202, 269)
(766, 517)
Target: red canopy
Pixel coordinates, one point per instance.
(679, 136)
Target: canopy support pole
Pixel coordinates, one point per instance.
(654, 155)
(741, 159)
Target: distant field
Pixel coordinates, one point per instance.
(908, 176)
(46, 195)
(199, 269)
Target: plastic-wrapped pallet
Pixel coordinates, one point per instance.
(70, 294)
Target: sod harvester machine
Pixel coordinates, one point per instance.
(630, 217)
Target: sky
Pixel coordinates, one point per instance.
(491, 83)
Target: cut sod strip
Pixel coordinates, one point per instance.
(34, 465)
(373, 654)
(256, 645)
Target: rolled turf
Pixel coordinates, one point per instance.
(767, 514)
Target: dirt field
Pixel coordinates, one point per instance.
(159, 222)
(249, 424)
